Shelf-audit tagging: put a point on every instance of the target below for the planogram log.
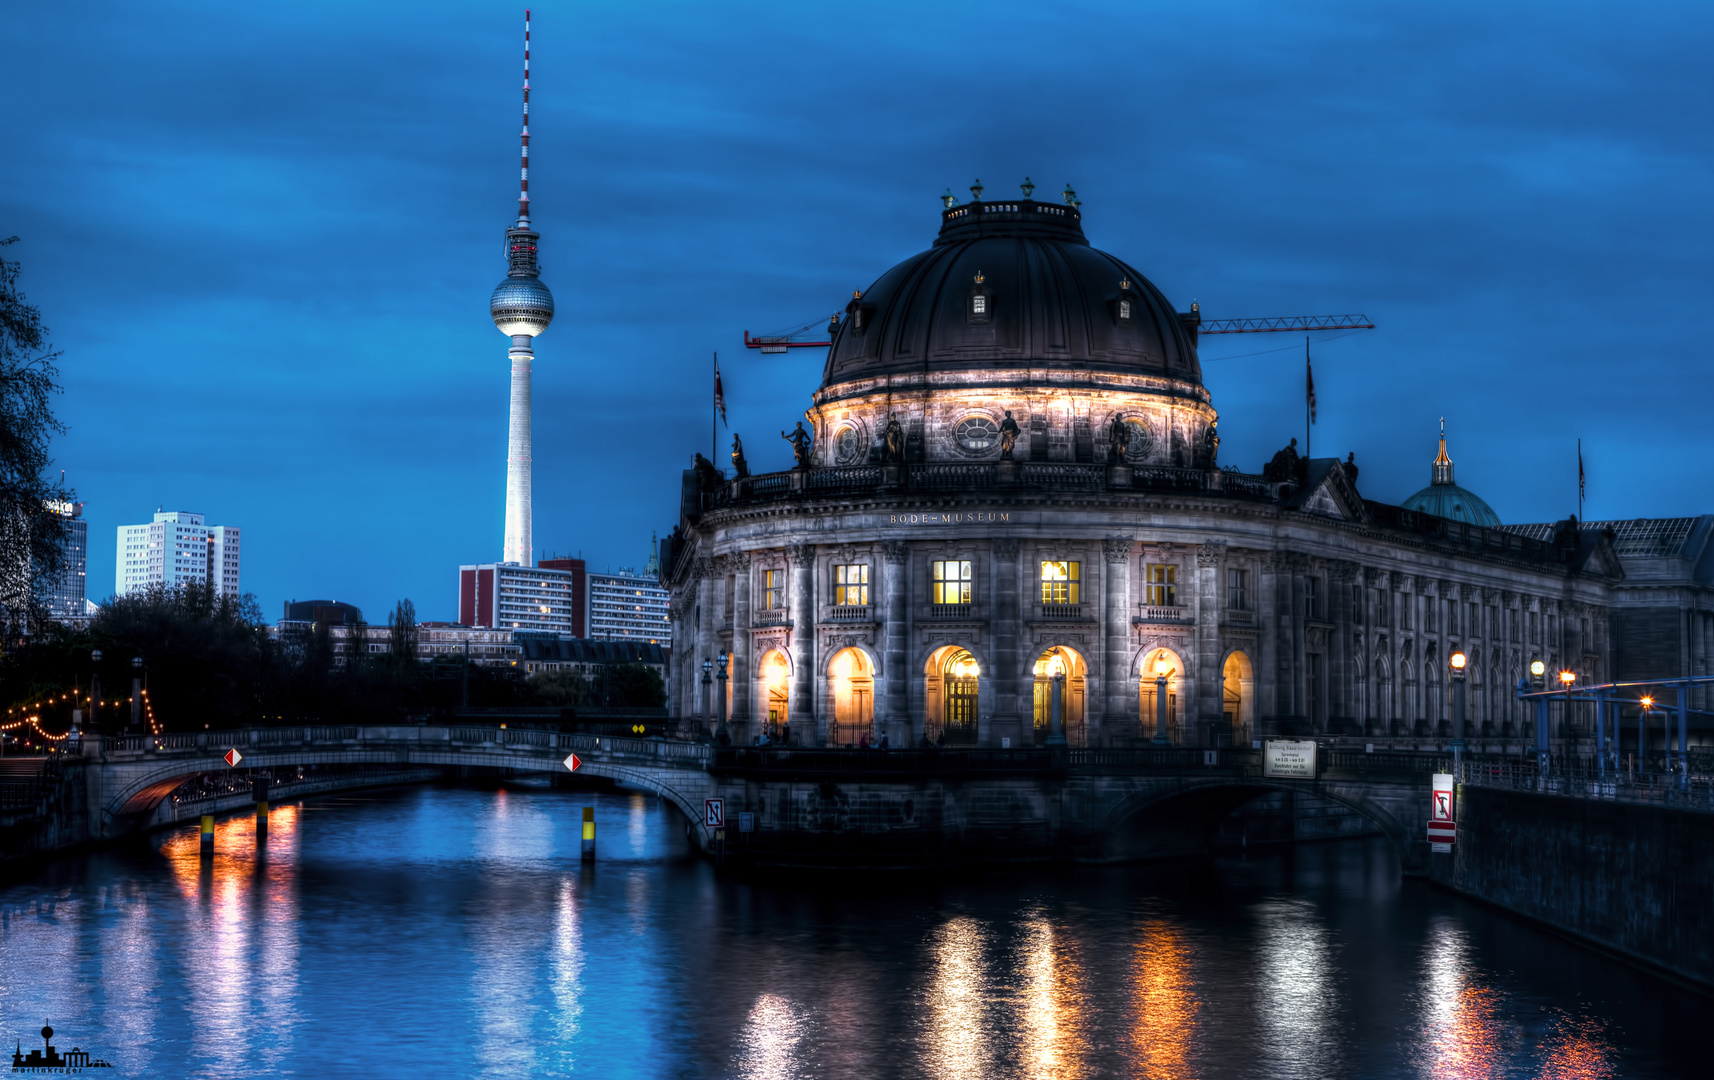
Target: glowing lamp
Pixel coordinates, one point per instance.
(1458, 660)
(1537, 668)
(1568, 677)
(1648, 702)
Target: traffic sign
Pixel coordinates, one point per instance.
(233, 757)
(746, 822)
(572, 761)
(714, 813)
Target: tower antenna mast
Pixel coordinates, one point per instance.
(524, 166)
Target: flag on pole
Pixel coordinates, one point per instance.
(1309, 381)
(719, 392)
(1581, 480)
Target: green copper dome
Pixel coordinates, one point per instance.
(1443, 498)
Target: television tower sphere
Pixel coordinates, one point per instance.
(521, 306)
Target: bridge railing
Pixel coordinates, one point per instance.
(1583, 779)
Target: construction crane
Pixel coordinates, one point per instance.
(793, 339)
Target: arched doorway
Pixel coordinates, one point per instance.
(953, 680)
(1056, 661)
(776, 678)
(1237, 698)
(1155, 663)
(851, 680)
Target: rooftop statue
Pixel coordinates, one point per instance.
(1008, 436)
(1284, 466)
(740, 467)
(895, 441)
(1211, 443)
(800, 440)
(1118, 439)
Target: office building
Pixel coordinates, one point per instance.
(66, 597)
(176, 549)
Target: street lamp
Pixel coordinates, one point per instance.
(1537, 670)
(137, 692)
(1643, 732)
(1163, 670)
(720, 698)
(1458, 661)
(707, 686)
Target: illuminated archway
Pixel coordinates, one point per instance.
(851, 683)
(1060, 660)
(775, 676)
(1237, 695)
(1155, 662)
(953, 679)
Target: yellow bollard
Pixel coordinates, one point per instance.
(589, 834)
(208, 834)
(260, 787)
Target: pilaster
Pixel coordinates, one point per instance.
(895, 555)
(805, 719)
(1116, 652)
(1007, 596)
(1209, 705)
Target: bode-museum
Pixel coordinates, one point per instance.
(1008, 489)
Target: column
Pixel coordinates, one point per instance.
(743, 663)
(1116, 644)
(1292, 641)
(1268, 665)
(1003, 668)
(1209, 704)
(895, 554)
(705, 639)
(806, 720)
(1339, 642)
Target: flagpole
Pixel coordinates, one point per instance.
(714, 413)
(1308, 398)
(1580, 482)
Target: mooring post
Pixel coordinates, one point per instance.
(589, 834)
(208, 834)
(259, 788)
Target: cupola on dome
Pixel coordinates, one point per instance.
(1443, 498)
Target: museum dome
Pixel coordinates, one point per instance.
(1012, 284)
(1443, 498)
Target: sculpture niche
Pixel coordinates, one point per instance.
(1118, 440)
(894, 441)
(1008, 436)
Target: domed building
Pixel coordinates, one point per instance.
(1444, 498)
(1008, 490)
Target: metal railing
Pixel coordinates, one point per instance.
(1583, 779)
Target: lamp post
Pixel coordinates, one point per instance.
(707, 687)
(1538, 674)
(1458, 661)
(720, 698)
(1056, 723)
(1643, 733)
(1162, 671)
(137, 694)
(1567, 679)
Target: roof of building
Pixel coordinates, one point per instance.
(1637, 538)
(1050, 301)
(1444, 498)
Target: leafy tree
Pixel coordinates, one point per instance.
(32, 537)
(402, 633)
(208, 656)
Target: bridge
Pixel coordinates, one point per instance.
(826, 806)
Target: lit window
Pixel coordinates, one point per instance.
(851, 585)
(1060, 582)
(1162, 585)
(773, 589)
(952, 582)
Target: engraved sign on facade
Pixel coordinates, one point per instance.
(950, 517)
(1290, 758)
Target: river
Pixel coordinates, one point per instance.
(447, 931)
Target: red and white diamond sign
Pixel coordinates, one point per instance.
(572, 761)
(233, 757)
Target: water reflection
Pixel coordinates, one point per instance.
(1296, 994)
(956, 1002)
(1164, 1001)
(1054, 1004)
(1579, 1049)
(775, 1041)
(1462, 1019)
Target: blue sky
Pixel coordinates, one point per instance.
(265, 235)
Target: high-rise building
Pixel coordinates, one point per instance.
(521, 307)
(627, 606)
(65, 597)
(521, 598)
(175, 549)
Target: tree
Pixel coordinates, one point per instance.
(32, 534)
(402, 633)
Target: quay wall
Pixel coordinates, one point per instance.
(1630, 878)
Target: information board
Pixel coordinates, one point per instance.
(1289, 758)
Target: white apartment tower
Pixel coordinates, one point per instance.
(175, 549)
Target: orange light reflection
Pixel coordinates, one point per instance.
(1163, 997)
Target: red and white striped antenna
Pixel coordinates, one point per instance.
(524, 168)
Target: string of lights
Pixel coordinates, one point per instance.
(31, 713)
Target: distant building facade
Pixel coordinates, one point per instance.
(544, 654)
(177, 548)
(66, 598)
(515, 597)
(627, 606)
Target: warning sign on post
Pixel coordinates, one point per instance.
(1289, 758)
(714, 813)
(1442, 829)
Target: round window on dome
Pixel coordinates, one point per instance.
(1141, 445)
(977, 434)
(845, 445)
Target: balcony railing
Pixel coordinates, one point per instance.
(771, 617)
(952, 611)
(1161, 613)
(851, 613)
(1072, 612)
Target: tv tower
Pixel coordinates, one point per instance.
(521, 307)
